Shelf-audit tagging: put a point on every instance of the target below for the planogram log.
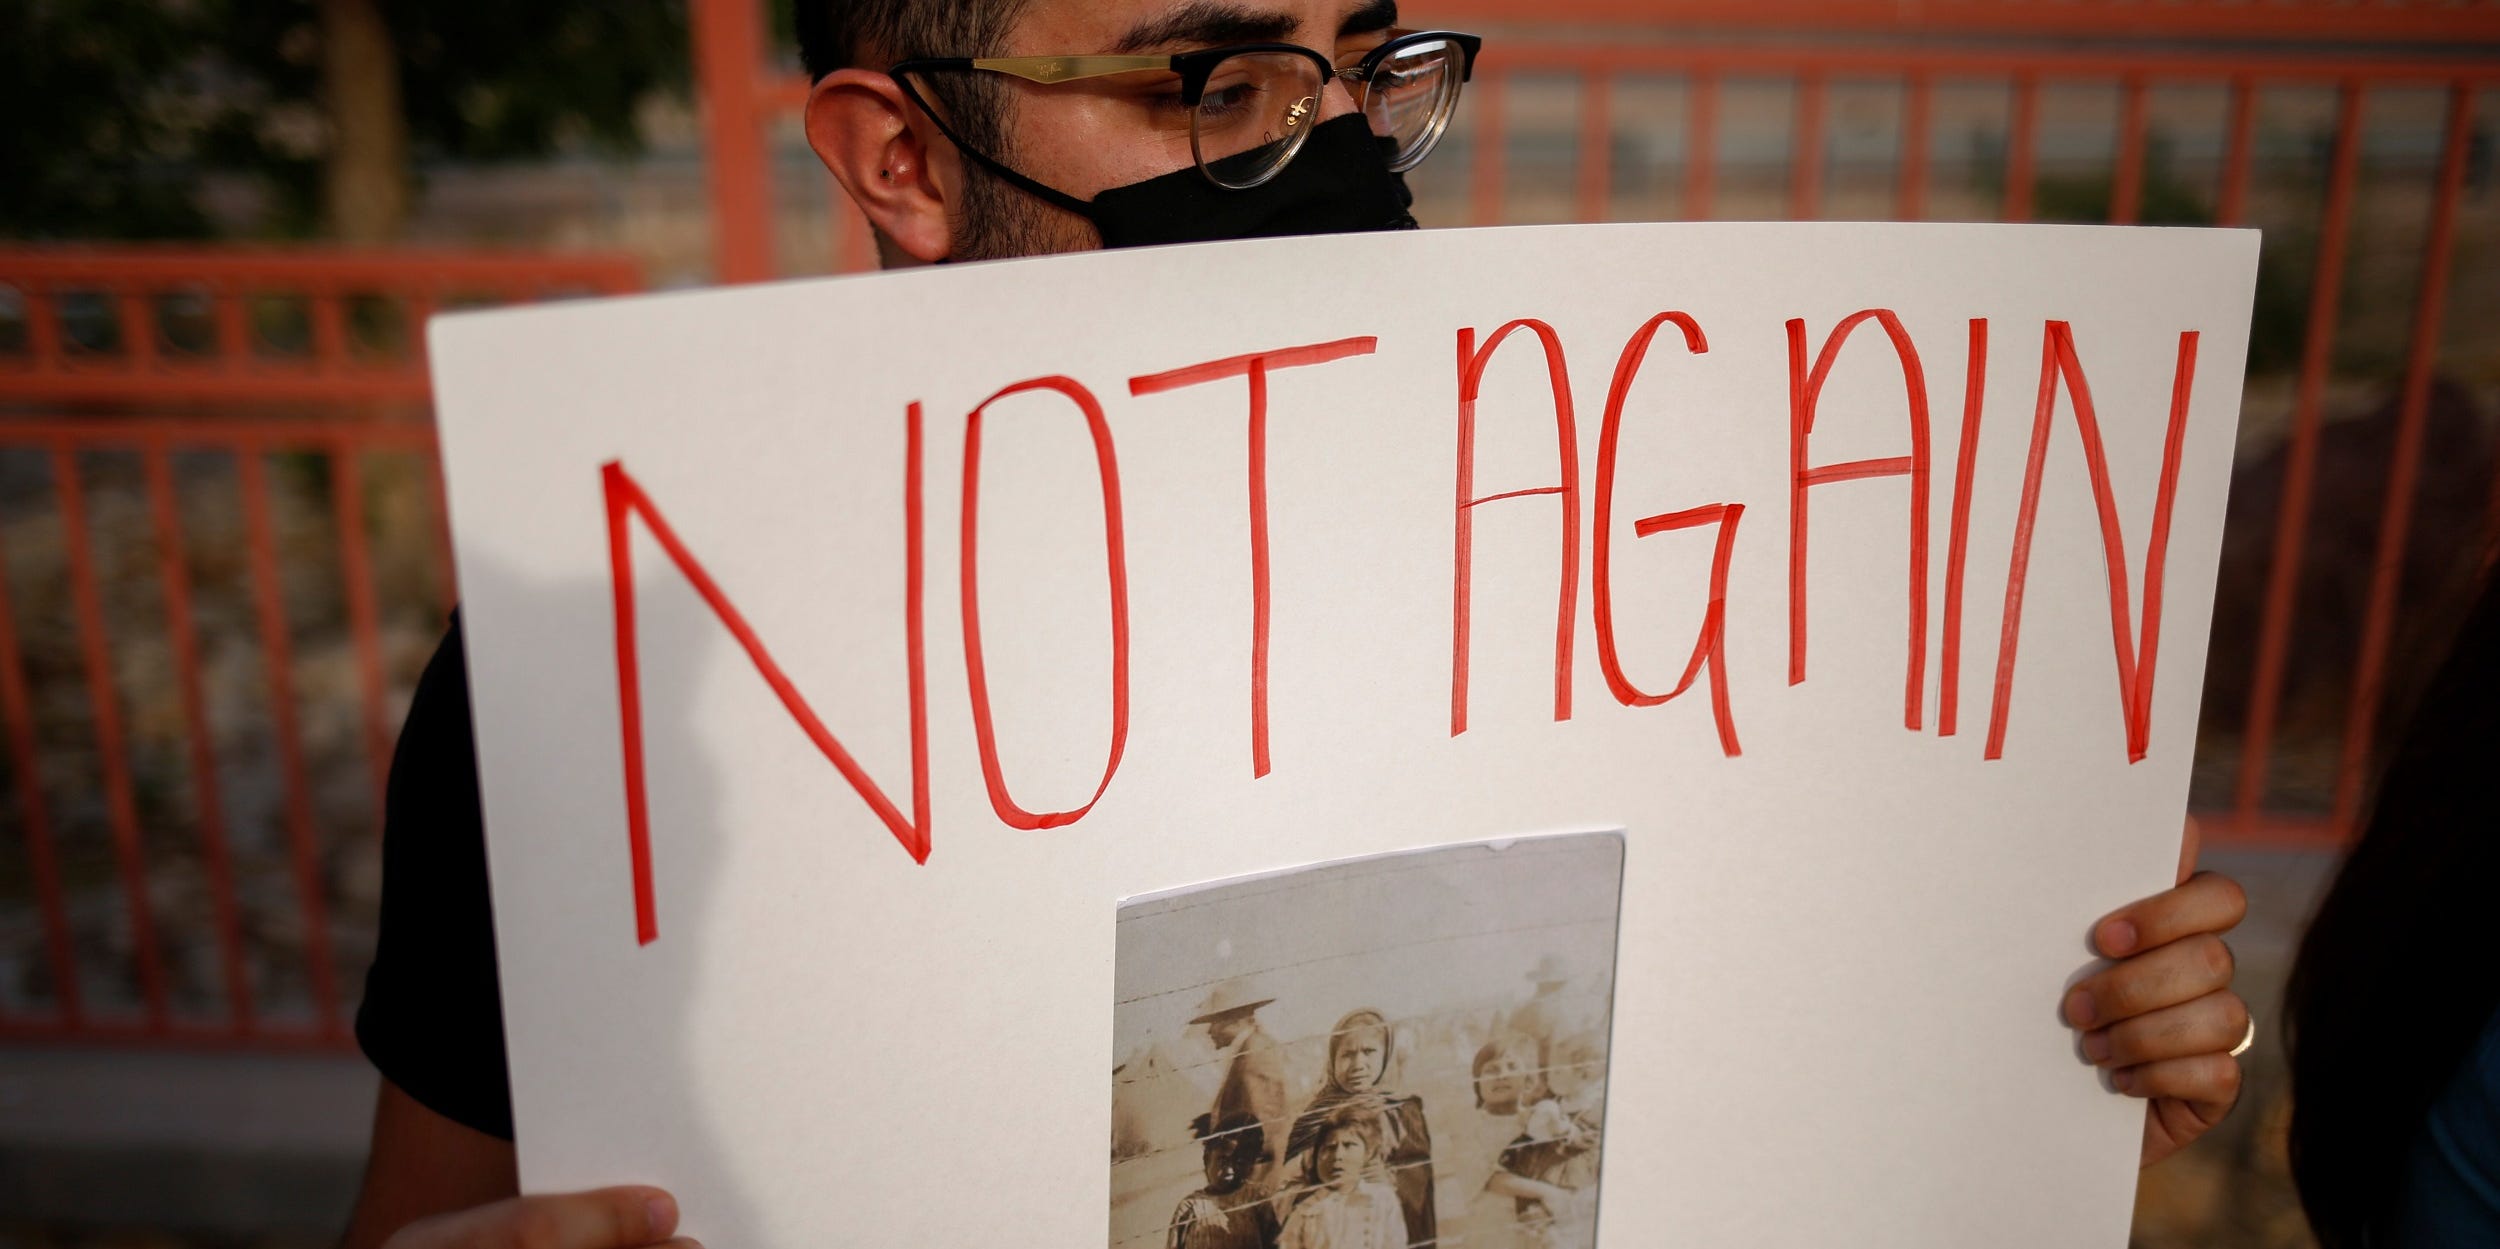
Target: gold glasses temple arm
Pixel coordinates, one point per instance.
(1055, 69)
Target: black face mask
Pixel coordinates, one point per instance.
(1339, 183)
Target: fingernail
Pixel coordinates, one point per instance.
(2125, 1080)
(2118, 938)
(2079, 1007)
(663, 1212)
(2096, 1047)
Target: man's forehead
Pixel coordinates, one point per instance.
(1046, 27)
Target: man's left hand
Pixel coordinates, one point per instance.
(2163, 1020)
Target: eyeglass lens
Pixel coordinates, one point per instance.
(1253, 116)
(1259, 106)
(1410, 97)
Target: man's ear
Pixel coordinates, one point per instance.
(888, 157)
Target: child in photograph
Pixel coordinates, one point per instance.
(1549, 1170)
(1359, 1051)
(1575, 1073)
(1348, 1205)
(1231, 1212)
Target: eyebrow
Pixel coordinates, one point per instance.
(1207, 23)
(1376, 16)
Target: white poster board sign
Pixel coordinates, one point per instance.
(845, 653)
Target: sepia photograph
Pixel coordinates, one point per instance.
(1399, 1052)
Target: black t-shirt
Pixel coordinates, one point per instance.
(432, 1022)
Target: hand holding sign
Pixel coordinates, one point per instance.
(608, 1218)
(2164, 1020)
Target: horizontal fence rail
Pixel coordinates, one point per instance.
(1480, 182)
(110, 327)
(2354, 20)
(222, 541)
(209, 622)
(2337, 40)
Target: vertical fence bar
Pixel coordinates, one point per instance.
(1485, 182)
(1597, 147)
(2021, 138)
(1910, 202)
(42, 864)
(278, 652)
(1701, 145)
(1805, 170)
(43, 328)
(347, 495)
(112, 745)
(728, 57)
(234, 331)
(329, 332)
(173, 567)
(420, 311)
(138, 326)
(2238, 151)
(2126, 197)
(2291, 528)
(2396, 518)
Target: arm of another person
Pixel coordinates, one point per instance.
(2450, 1197)
(1519, 1187)
(431, 1183)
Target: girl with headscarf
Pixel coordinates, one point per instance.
(1359, 1051)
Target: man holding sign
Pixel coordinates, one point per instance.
(991, 129)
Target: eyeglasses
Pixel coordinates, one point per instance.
(1248, 108)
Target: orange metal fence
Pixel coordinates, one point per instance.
(2364, 56)
(134, 388)
(2368, 20)
(148, 398)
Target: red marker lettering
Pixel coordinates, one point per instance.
(625, 502)
(1255, 367)
(2058, 362)
(1957, 548)
(1709, 644)
(976, 671)
(1471, 366)
(1805, 391)
(1712, 642)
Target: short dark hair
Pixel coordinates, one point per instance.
(2384, 946)
(846, 34)
(1359, 1118)
(874, 34)
(1239, 1130)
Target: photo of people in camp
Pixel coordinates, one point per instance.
(1404, 1052)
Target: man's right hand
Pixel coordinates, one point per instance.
(607, 1218)
(432, 1183)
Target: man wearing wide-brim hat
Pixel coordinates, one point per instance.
(1254, 1078)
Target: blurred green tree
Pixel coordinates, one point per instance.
(123, 113)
